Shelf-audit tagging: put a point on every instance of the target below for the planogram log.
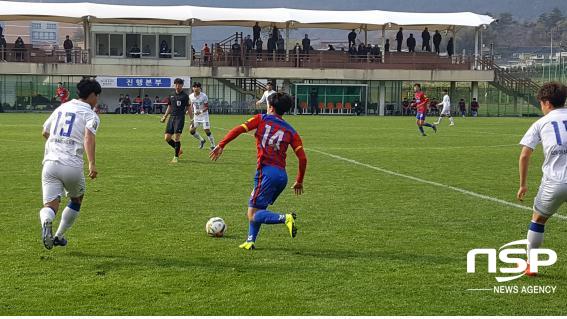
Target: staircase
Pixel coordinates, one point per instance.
(510, 84)
(249, 87)
(227, 43)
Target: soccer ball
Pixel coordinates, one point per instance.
(215, 227)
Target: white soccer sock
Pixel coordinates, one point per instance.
(535, 236)
(451, 120)
(46, 214)
(198, 136)
(439, 120)
(211, 139)
(67, 219)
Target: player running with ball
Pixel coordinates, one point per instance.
(273, 136)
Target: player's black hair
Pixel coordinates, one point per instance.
(554, 93)
(418, 85)
(178, 81)
(87, 86)
(60, 83)
(269, 83)
(281, 102)
(196, 84)
(445, 90)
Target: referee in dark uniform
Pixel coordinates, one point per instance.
(178, 106)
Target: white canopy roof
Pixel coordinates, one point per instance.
(208, 16)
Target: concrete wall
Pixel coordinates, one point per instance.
(175, 68)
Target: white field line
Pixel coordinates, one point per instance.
(421, 180)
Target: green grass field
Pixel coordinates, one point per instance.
(369, 243)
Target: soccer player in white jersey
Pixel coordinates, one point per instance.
(269, 91)
(69, 132)
(199, 113)
(446, 111)
(551, 132)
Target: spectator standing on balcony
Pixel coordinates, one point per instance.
(281, 47)
(387, 46)
(219, 52)
(206, 52)
(463, 107)
(331, 48)
(411, 43)
(275, 33)
(437, 41)
(399, 39)
(2, 48)
(193, 52)
(259, 44)
(271, 46)
(352, 38)
(68, 46)
(248, 45)
(425, 38)
(62, 93)
(450, 48)
(1, 30)
(306, 44)
(269, 91)
(19, 47)
(474, 107)
(236, 48)
(256, 33)
(361, 51)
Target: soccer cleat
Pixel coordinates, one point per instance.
(435, 128)
(47, 235)
(529, 273)
(249, 245)
(290, 223)
(212, 147)
(175, 159)
(436, 123)
(59, 241)
(452, 124)
(423, 134)
(202, 144)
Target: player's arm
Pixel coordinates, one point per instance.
(523, 164)
(90, 145)
(251, 124)
(167, 111)
(297, 146)
(262, 100)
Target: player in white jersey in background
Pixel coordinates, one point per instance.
(69, 132)
(551, 132)
(446, 111)
(199, 113)
(269, 91)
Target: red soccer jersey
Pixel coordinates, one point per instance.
(421, 101)
(273, 136)
(63, 94)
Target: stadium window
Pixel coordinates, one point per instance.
(180, 46)
(116, 45)
(133, 42)
(36, 25)
(165, 46)
(51, 26)
(149, 46)
(102, 44)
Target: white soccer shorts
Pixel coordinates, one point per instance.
(206, 125)
(57, 178)
(446, 111)
(549, 197)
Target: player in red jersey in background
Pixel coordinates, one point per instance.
(421, 101)
(273, 136)
(62, 93)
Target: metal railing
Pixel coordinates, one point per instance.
(29, 54)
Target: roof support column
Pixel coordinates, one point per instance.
(476, 31)
(365, 35)
(190, 42)
(286, 45)
(383, 43)
(87, 32)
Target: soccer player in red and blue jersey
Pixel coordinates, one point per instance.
(421, 101)
(273, 136)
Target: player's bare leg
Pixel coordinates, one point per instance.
(210, 137)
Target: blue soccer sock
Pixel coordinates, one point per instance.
(421, 129)
(267, 217)
(428, 125)
(253, 230)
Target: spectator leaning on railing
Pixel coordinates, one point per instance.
(19, 48)
(2, 48)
